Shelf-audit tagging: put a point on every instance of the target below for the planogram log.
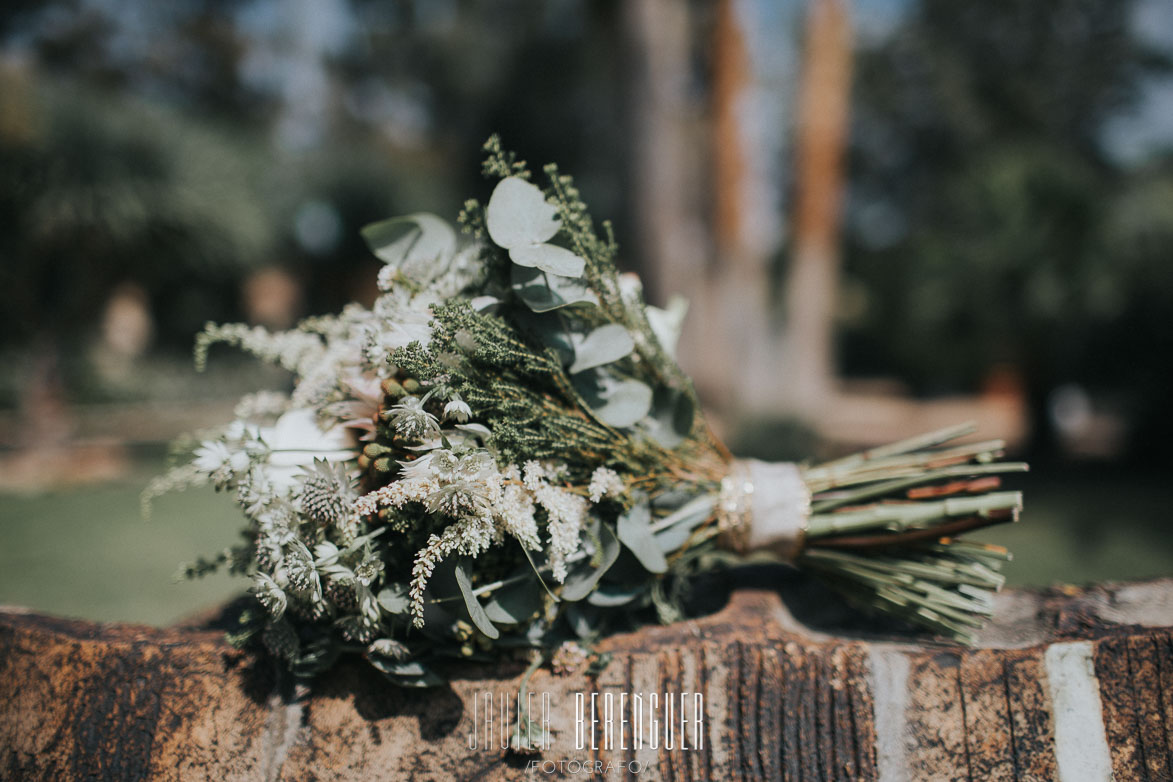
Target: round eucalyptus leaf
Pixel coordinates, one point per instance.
(635, 531)
(618, 403)
(602, 346)
(397, 667)
(548, 258)
(411, 242)
(515, 603)
(580, 582)
(476, 612)
(484, 303)
(611, 595)
(672, 417)
(406, 673)
(667, 323)
(543, 292)
(550, 332)
(518, 215)
(393, 599)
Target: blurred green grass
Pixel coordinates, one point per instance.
(86, 552)
(1084, 525)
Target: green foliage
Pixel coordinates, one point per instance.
(985, 225)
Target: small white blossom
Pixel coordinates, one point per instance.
(270, 595)
(533, 475)
(566, 514)
(604, 483)
(457, 410)
(412, 421)
(220, 463)
(515, 512)
(261, 405)
(468, 537)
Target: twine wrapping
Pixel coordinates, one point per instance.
(764, 506)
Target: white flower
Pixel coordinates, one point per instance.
(296, 440)
(566, 514)
(456, 498)
(457, 410)
(412, 421)
(261, 405)
(387, 276)
(605, 483)
(534, 475)
(269, 594)
(211, 456)
(515, 512)
(220, 463)
(421, 468)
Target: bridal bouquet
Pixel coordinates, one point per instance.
(502, 454)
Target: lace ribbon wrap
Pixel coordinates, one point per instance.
(764, 506)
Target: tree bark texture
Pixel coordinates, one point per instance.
(1066, 684)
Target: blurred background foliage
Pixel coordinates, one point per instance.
(1007, 225)
(997, 219)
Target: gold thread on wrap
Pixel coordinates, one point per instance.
(763, 506)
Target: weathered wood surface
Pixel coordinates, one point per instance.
(1067, 684)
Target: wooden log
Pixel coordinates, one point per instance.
(1066, 683)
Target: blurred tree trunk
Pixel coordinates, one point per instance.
(706, 223)
(667, 160)
(741, 342)
(812, 283)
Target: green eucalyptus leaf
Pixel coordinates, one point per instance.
(406, 673)
(611, 595)
(672, 417)
(549, 258)
(584, 620)
(543, 292)
(395, 667)
(476, 611)
(673, 538)
(515, 603)
(554, 336)
(393, 599)
(518, 215)
(581, 581)
(412, 242)
(675, 529)
(618, 403)
(604, 345)
(635, 532)
(423, 681)
(666, 324)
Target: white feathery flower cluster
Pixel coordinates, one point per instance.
(565, 513)
(387, 277)
(262, 405)
(534, 475)
(467, 537)
(485, 504)
(605, 482)
(514, 511)
(396, 495)
(294, 350)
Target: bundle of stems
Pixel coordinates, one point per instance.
(884, 528)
